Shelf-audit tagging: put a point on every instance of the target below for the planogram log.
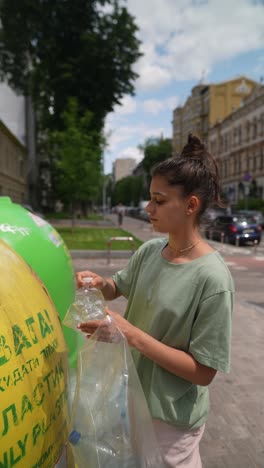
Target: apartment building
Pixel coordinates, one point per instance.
(207, 105)
(12, 166)
(17, 114)
(123, 167)
(238, 145)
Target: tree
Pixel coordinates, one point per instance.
(53, 49)
(128, 190)
(76, 154)
(155, 150)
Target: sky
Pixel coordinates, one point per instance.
(183, 42)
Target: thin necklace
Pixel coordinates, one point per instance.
(187, 248)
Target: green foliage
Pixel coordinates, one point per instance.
(76, 156)
(155, 150)
(252, 204)
(128, 190)
(66, 215)
(53, 49)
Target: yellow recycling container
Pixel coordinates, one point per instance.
(33, 369)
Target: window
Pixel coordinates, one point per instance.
(235, 165)
(261, 162)
(239, 135)
(221, 145)
(262, 124)
(239, 164)
(254, 159)
(255, 128)
(248, 131)
(235, 137)
(226, 169)
(225, 143)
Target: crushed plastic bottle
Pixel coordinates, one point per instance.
(89, 304)
(87, 454)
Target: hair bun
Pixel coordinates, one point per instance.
(194, 148)
(195, 140)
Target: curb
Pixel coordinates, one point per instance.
(100, 253)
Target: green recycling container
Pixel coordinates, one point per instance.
(41, 246)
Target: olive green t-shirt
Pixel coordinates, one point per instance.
(187, 306)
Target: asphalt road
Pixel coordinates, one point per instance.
(246, 263)
(247, 268)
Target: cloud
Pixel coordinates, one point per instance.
(127, 133)
(119, 134)
(152, 76)
(182, 38)
(155, 106)
(131, 152)
(259, 68)
(128, 106)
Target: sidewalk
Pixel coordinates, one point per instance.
(234, 436)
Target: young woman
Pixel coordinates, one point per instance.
(180, 300)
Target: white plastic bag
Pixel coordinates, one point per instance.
(111, 423)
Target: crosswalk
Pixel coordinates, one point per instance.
(231, 250)
(246, 259)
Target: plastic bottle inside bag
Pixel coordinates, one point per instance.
(101, 454)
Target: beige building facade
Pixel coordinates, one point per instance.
(123, 167)
(238, 145)
(207, 105)
(12, 166)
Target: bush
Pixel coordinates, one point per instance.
(252, 204)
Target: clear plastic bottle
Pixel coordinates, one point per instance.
(101, 455)
(89, 304)
(88, 454)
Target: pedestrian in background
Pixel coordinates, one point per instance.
(229, 209)
(180, 301)
(120, 209)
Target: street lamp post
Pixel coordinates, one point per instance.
(104, 195)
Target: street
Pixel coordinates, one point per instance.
(247, 268)
(245, 263)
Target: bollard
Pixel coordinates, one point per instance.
(222, 237)
(237, 241)
(255, 246)
(112, 239)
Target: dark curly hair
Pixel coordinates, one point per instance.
(195, 170)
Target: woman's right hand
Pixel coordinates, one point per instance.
(96, 281)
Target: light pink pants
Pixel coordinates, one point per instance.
(180, 449)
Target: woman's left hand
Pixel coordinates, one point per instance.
(124, 326)
(128, 330)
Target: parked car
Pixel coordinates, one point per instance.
(144, 216)
(211, 214)
(235, 228)
(257, 215)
